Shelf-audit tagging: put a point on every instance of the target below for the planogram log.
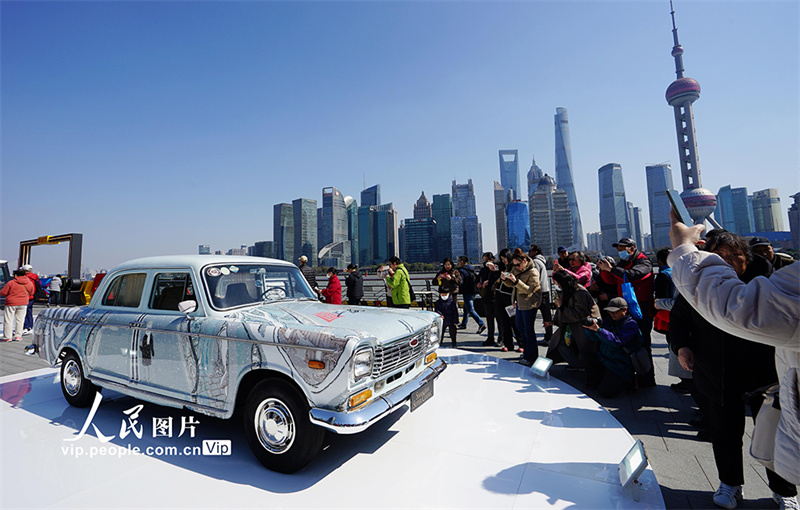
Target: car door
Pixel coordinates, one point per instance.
(111, 351)
(168, 360)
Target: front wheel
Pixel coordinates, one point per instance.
(77, 390)
(278, 428)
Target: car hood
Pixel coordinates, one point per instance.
(340, 320)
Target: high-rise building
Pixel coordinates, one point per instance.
(442, 212)
(519, 223)
(509, 171)
(305, 229)
(734, 210)
(501, 223)
(680, 95)
(767, 213)
(466, 237)
(419, 234)
(371, 196)
(635, 224)
(204, 249)
(465, 230)
(264, 249)
(550, 217)
(659, 180)
(564, 175)
(377, 233)
(595, 241)
(535, 175)
(422, 208)
(334, 217)
(283, 231)
(794, 221)
(613, 206)
(352, 226)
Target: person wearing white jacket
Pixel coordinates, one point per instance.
(766, 310)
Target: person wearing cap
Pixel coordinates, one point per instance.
(613, 369)
(635, 267)
(761, 246)
(563, 256)
(18, 293)
(34, 278)
(308, 273)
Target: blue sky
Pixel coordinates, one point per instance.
(153, 127)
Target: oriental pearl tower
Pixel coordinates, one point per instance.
(680, 95)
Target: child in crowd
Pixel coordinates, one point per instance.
(447, 308)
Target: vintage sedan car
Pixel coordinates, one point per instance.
(215, 334)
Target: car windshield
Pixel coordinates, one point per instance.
(232, 286)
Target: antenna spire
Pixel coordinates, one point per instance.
(677, 50)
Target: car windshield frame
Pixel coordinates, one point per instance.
(229, 286)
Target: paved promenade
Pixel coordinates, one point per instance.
(684, 466)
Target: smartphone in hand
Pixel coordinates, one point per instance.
(679, 207)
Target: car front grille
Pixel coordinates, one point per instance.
(398, 354)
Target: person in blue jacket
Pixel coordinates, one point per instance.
(614, 373)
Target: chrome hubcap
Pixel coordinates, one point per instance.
(72, 377)
(274, 425)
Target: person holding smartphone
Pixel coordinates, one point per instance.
(526, 296)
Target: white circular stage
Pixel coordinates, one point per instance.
(492, 436)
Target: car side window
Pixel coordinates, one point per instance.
(169, 289)
(125, 290)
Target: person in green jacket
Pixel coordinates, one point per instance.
(399, 281)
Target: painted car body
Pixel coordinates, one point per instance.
(202, 360)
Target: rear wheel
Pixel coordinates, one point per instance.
(278, 428)
(78, 390)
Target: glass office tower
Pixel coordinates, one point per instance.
(659, 180)
(442, 212)
(519, 233)
(283, 231)
(305, 229)
(613, 206)
(564, 174)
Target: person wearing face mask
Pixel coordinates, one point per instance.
(636, 268)
(447, 308)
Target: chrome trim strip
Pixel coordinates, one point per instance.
(83, 322)
(361, 419)
(130, 390)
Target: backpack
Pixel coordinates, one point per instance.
(39, 293)
(410, 287)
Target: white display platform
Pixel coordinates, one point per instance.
(492, 436)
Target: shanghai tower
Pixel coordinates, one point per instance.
(680, 95)
(564, 175)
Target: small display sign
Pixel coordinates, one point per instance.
(421, 395)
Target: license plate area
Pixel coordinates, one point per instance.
(421, 395)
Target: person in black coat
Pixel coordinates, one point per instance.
(725, 368)
(447, 308)
(355, 285)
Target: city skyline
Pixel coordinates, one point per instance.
(229, 110)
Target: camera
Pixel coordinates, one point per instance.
(588, 321)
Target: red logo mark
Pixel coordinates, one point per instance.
(413, 343)
(327, 316)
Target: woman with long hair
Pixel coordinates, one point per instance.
(506, 328)
(527, 296)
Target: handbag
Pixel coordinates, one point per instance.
(762, 447)
(630, 297)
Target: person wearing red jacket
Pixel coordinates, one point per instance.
(333, 292)
(18, 293)
(636, 268)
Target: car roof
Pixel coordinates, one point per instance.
(196, 261)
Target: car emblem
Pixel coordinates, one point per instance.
(413, 343)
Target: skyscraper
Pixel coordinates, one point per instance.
(519, 233)
(767, 213)
(734, 210)
(564, 175)
(635, 225)
(659, 180)
(535, 175)
(794, 221)
(419, 235)
(422, 208)
(509, 171)
(613, 206)
(283, 231)
(465, 230)
(680, 95)
(500, 220)
(352, 226)
(377, 234)
(371, 196)
(334, 217)
(305, 229)
(550, 217)
(442, 212)
(204, 249)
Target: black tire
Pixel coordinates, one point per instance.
(77, 390)
(278, 428)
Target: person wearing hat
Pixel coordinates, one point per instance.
(563, 256)
(614, 369)
(636, 268)
(761, 246)
(308, 273)
(34, 278)
(18, 293)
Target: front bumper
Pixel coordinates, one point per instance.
(361, 419)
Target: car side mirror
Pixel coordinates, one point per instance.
(188, 306)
